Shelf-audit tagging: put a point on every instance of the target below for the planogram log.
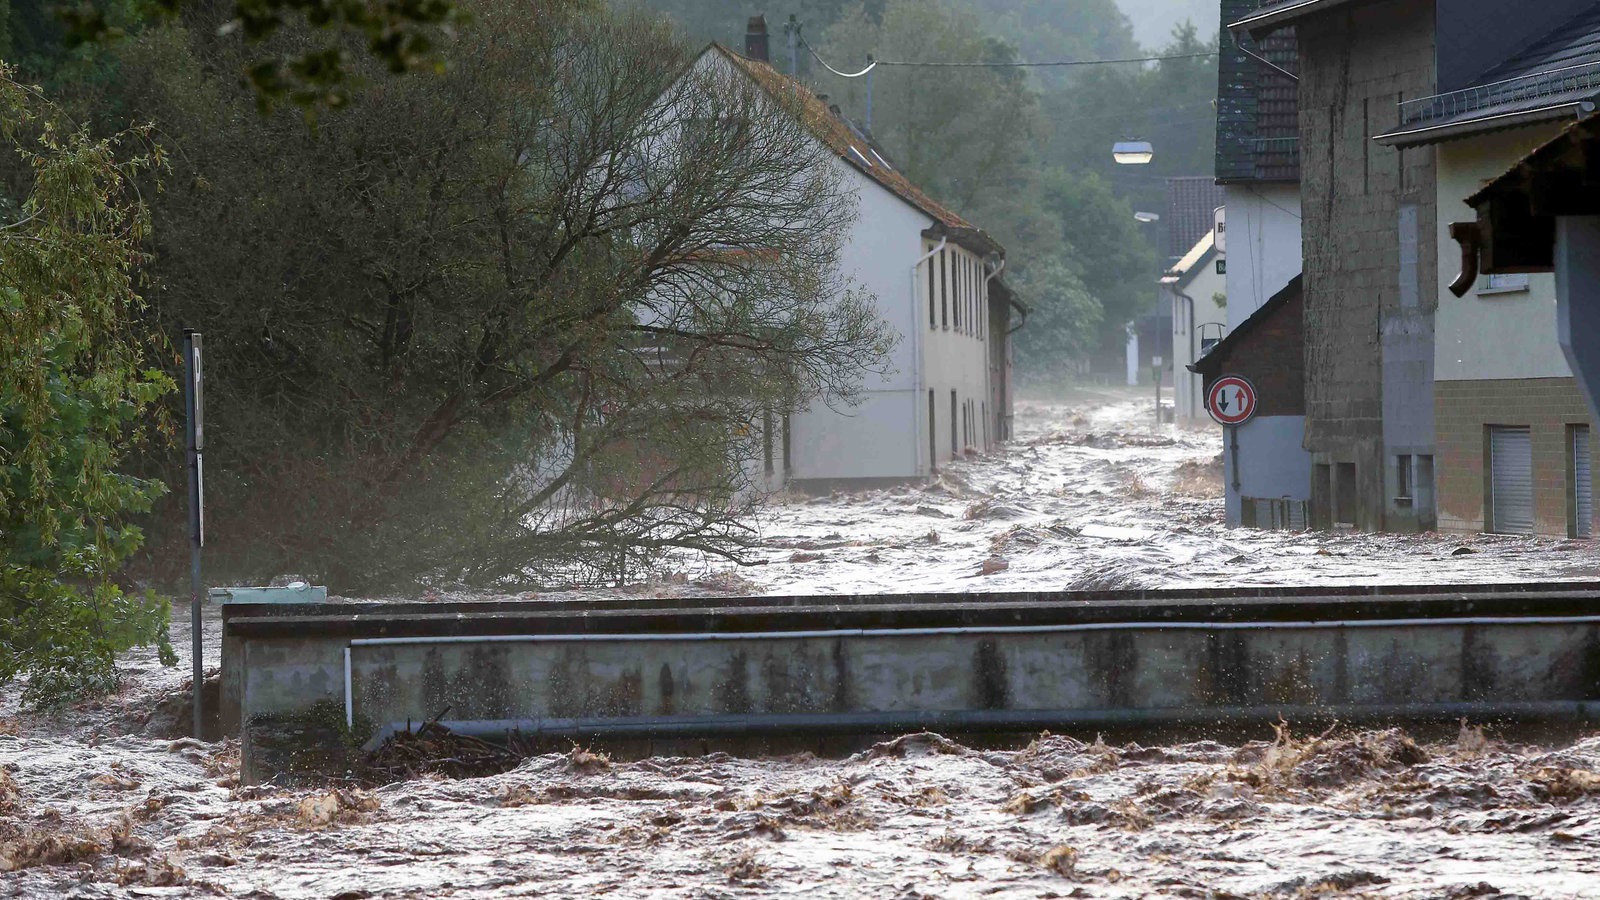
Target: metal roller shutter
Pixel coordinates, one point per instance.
(1582, 482)
(1511, 485)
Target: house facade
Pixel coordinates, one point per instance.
(1368, 259)
(945, 391)
(1266, 473)
(1196, 288)
(1514, 434)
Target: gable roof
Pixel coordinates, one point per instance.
(855, 149)
(1550, 79)
(1192, 264)
(1211, 363)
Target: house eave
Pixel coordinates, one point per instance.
(1261, 22)
(1418, 137)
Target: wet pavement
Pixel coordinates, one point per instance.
(109, 800)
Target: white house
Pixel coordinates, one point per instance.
(1197, 287)
(946, 392)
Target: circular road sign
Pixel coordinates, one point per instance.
(1231, 400)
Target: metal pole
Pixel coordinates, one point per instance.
(1156, 371)
(1233, 438)
(192, 441)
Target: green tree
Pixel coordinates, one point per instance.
(509, 324)
(77, 389)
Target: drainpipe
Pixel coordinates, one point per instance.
(918, 385)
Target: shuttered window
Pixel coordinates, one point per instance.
(1582, 484)
(1511, 480)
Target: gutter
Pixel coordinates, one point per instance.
(1274, 19)
(1417, 137)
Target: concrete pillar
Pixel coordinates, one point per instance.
(1578, 301)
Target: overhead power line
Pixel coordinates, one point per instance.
(1000, 65)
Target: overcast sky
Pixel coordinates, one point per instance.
(1153, 20)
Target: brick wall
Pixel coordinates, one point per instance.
(1355, 67)
(1268, 351)
(1463, 409)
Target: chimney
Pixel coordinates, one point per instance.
(755, 39)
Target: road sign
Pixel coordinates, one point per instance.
(1231, 400)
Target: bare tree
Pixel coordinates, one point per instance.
(514, 322)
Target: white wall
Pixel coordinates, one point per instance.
(1189, 387)
(887, 434)
(1487, 334)
(1263, 244)
(1272, 462)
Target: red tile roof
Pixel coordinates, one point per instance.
(832, 130)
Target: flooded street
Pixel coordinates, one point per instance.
(109, 800)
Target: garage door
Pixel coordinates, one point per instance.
(1582, 483)
(1511, 487)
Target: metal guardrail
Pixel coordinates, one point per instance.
(1584, 77)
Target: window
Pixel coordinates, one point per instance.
(1402, 479)
(956, 301)
(933, 307)
(788, 458)
(1504, 284)
(933, 441)
(944, 289)
(766, 439)
(954, 436)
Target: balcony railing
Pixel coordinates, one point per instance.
(1513, 90)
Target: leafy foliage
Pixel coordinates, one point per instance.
(76, 388)
(517, 322)
(400, 34)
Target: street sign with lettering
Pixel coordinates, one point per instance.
(1231, 400)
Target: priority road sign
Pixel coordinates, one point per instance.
(1231, 400)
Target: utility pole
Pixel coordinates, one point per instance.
(791, 30)
(870, 67)
(194, 441)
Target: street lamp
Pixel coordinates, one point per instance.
(1132, 153)
(1146, 217)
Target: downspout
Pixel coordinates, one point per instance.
(919, 364)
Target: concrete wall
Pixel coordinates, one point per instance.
(1263, 244)
(1369, 269)
(1272, 464)
(1018, 680)
(1548, 406)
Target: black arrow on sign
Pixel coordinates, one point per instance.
(1222, 399)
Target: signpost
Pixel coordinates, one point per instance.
(1231, 401)
(1155, 375)
(194, 439)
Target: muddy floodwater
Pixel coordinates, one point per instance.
(109, 800)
